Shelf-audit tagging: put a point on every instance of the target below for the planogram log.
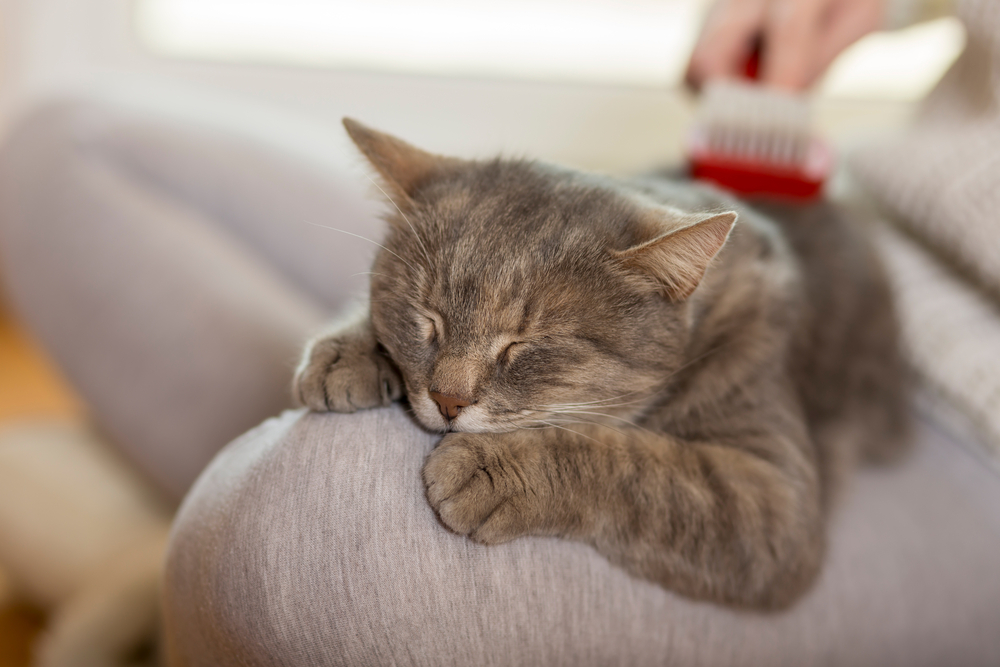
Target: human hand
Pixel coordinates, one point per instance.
(800, 38)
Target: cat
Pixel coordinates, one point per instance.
(643, 365)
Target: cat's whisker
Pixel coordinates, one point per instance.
(413, 229)
(618, 397)
(593, 422)
(607, 406)
(598, 403)
(621, 419)
(538, 421)
(591, 410)
(561, 421)
(599, 443)
(548, 423)
(582, 435)
(602, 400)
(541, 427)
(575, 406)
(363, 238)
(554, 424)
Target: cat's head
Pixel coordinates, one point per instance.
(512, 294)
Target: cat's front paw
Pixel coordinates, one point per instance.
(488, 486)
(344, 373)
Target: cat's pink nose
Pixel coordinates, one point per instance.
(449, 405)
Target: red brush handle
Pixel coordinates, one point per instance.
(751, 69)
(757, 179)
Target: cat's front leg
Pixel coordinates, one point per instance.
(736, 520)
(344, 370)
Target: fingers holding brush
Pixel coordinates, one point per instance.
(798, 38)
(850, 21)
(791, 34)
(727, 40)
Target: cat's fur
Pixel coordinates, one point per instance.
(641, 372)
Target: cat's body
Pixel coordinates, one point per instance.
(616, 362)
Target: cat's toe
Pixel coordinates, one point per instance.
(449, 468)
(336, 377)
(310, 383)
(508, 521)
(464, 515)
(470, 478)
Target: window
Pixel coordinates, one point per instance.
(631, 42)
(620, 42)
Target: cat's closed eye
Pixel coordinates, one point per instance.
(506, 354)
(430, 328)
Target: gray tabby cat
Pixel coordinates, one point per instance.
(621, 363)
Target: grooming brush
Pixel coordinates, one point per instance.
(757, 141)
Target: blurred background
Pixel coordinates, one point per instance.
(591, 83)
(588, 83)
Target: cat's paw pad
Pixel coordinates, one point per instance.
(344, 375)
(481, 487)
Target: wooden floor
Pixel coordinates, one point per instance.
(19, 625)
(30, 387)
(29, 384)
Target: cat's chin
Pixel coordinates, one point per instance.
(471, 423)
(457, 427)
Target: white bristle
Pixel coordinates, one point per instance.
(749, 121)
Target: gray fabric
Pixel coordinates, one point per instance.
(161, 303)
(950, 330)
(275, 202)
(941, 177)
(308, 541)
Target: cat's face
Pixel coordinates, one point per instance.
(519, 314)
(512, 295)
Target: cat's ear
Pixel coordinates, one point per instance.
(677, 260)
(404, 168)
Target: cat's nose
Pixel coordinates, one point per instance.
(449, 405)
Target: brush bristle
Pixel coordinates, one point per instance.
(750, 122)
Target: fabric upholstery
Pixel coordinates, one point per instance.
(941, 177)
(308, 541)
(275, 203)
(951, 332)
(939, 181)
(175, 334)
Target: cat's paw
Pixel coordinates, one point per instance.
(487, 485)
(344, 373)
